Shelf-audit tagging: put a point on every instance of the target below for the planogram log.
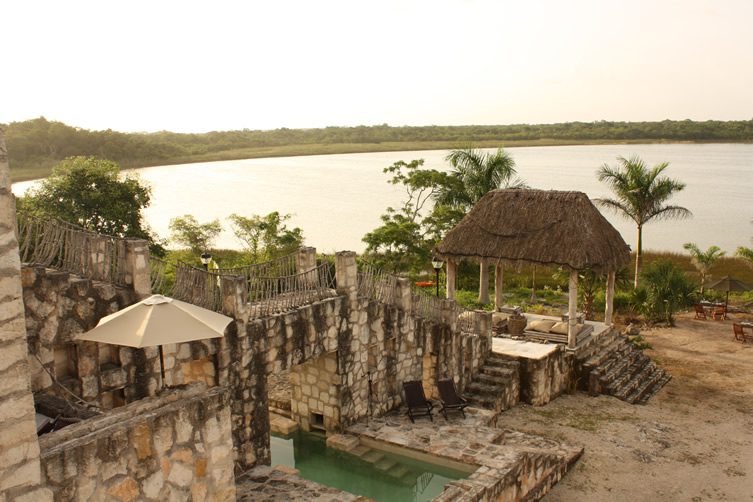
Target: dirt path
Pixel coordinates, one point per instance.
(693, 441)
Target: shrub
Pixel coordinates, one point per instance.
(665, 289)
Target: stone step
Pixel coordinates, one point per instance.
(648, 380)
(481, 389)
(360, 450)
(501, 371)
(619, 367)
(626, 381)
(494, 379)
(605, 353)
(634, 382)
(666, 377)
(398, 471)
(372, 456)
(385, 464)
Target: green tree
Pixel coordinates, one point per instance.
(745, 253)
(407, 235)
(665, 290)
(640, 194)
(475, 173)
(92, 193)
(198, 237)
(703, 260)
(266, 237)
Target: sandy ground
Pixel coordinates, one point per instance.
(692, 441)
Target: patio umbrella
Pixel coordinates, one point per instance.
(728, 284)
(155, 321)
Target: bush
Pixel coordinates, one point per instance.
(665, 289)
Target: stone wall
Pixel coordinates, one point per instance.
(542, 380)
(315, 389)
(175, 447)
(19, 450)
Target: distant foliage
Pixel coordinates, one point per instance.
(266, 237)
(198, 237)
(42, 143)
(90, 192)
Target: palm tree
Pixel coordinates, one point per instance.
(703, 260)
(478, 172)
(641, 194)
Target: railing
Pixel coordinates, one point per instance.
(198, 287)
(54, 243)
(426, 305)
(375, 284)
(161, 281)
(283, 266)
(272, 295)
(466, 320)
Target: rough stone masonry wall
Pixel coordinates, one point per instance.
(315, 389)
(175, 447)
(19, 448)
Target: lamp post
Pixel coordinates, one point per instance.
(437, 264)
(205, 259)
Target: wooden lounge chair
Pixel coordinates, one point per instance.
(415, 400)
(739, 333)
(450, 398)
(719, 313)
(700, 313)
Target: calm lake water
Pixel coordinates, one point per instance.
(336, 199)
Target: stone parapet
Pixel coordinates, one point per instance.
(174, 447)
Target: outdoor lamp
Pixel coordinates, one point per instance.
(205, 259)
(437, 264)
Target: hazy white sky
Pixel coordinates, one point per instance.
(197, 66)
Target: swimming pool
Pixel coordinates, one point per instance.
(368, 471)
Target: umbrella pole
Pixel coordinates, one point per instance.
(162, 365)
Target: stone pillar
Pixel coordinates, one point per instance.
(483, 283)
(609, 298)
(305, 259)
(20, 472)
(483, 323)
(234, 291)
(346, 273)
(137, 270)
(499, 300)
(449, 315)
(97, 266)
(572, 309)
(402, 297)
(452, 272)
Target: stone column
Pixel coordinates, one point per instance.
(609, 298)
(20, 472)
(346, 273)
(402, 297)
(305, 259)
(499, 300)
(137, 270)
(234, 292)
(97, 267)
(572, 309)
(452, 272)
(483, 283)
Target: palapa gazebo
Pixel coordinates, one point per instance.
(546, 227)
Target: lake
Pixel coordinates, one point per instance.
(336, 199)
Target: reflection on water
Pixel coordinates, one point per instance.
(375, 474)
(336, 199)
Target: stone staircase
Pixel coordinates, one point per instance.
(385, 465)
(617, 368)
(497, 385)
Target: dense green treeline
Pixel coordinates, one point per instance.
(34, 146)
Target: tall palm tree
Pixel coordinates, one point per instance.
(640, 194)
(703, 260)
(478, 172)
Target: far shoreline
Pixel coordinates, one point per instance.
(304, 150)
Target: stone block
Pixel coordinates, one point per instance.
(124, 490)
(152, 485)
(180, 475)
(41, 494)
(141, 439)
(24, 475)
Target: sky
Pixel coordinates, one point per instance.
(188, 66)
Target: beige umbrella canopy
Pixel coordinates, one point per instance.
(156, 321)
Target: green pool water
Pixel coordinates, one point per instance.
(376, 474)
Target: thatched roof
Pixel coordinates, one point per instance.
(536, 226)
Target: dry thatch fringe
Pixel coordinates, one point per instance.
(548, 227)
(51, 242)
